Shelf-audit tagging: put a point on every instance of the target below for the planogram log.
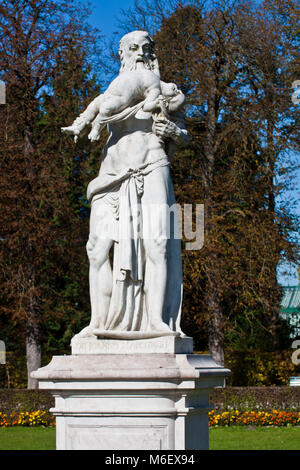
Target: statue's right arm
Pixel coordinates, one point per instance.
(84, 119)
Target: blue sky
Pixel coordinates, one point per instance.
(105, 13)
(104, 17)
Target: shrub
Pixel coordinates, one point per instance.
(19, 400)
(256, 368)
(256, 398)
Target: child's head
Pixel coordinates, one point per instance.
(174, 97)
(169, 90)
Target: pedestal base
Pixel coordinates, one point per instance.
(159, 345)
(131, 402)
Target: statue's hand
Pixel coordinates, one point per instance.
(165, 129)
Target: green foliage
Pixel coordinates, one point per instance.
(25, 400)
(13, 374)
(260, 368)
(43, 175)
(223, 399)
(256, 398)
(234, 63)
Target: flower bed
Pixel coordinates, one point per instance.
(254, 418)
(216, 418)
(26, 418)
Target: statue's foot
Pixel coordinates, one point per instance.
(160, 326)
(87, 332)
(94, 136)
(72, 130)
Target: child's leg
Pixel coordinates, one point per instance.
(110, 105)
(114, 105)
(97, 126)
(151, 100)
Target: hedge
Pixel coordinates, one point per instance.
(222, 399)
(257, 406)
(248, 368)
(18, 400)
(256, 398)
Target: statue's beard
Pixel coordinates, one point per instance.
(131, 64)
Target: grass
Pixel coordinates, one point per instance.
(222, 438)
(252, 438)
(21, 438)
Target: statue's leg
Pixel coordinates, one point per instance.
(100, 278)
(155, 282)
(100, 274)
(155, 237)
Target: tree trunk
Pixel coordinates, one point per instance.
(33, 342)
(274, 296)
(33, 334)
(215, 323)
(214, 306)
(33, 357)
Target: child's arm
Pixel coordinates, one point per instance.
(85, 118)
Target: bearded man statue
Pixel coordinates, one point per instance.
(133, 209)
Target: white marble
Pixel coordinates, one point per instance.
(132, 196)
(159, 345)
(130, 401)
(294, 381)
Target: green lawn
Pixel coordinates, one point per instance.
(243, 438)
(233, 438)
(21, 438)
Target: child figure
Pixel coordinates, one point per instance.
(128, 89)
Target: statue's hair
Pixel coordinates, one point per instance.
(125, 40)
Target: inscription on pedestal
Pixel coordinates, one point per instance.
(167, 345)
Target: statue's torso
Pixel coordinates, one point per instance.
(131, 144)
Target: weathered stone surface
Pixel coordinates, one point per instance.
(133, 208)
(159, 345)
(131, 402)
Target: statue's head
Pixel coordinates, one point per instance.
(135, 47)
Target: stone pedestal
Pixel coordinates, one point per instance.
(136, 401)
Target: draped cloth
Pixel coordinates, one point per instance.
(122, 192)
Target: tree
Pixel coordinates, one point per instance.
(241, 127)
(35, 38)
(72, 87)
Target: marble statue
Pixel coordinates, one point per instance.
(139, 293)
